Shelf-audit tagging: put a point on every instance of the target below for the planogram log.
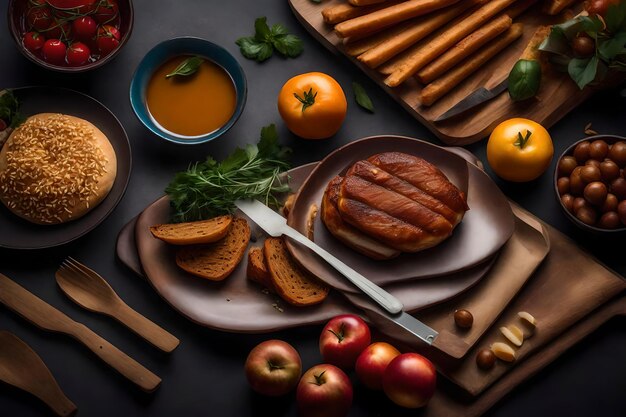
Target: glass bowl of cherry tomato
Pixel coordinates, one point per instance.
(70, 35)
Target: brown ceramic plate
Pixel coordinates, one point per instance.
(17, 233)
(484, 230)
(238, 305)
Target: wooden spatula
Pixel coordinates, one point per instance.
(88, 289)
(21, 367)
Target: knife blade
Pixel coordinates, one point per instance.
(47, 317)
(276, 225)
(405, 327)
(473, 100)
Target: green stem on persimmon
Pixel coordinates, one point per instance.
(522, 141)
(308, 100)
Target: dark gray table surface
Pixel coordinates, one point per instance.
(204, 376)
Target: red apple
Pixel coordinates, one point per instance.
(372, 362)
(343, 339)
(273, 368)
(410, 380)
(324, 391)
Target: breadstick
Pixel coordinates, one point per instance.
(357, 47)
(554, 7)
(518, 8)
(364, 2)
(463, 49)
(418, 29)
(436, 45)
(437, 89)
(342, 12)
(388, 16)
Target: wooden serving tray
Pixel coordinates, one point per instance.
(558, 94)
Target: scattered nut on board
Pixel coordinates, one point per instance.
(463, 319)
(503, 351)
(529, 323)
(485, 359)
(513, 334)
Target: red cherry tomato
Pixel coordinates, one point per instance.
(108, 39)
(78, 54)
(106, 11)
(34, 41)
(54, 51)
(84, 28)
(59, 29)
(39, 17)
(3, 125)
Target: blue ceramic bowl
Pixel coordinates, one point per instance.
(185, 46)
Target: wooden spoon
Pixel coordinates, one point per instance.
(21, 367)
(89, 290)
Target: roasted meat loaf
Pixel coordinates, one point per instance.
(392, 203)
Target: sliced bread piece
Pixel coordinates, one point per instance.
(257, 270)
(216, 261)
(290, 281)
(193, 233)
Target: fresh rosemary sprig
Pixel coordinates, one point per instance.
(210, 188)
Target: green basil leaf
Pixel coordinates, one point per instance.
(583, 71)
(261, 29)
(592, 25)
(289, 45)
(278, 30)
(316, 1)
(524, 79)
(611, 47)
(361, 97)
(252, 49)
(556, 42)
(188, 67)
(261, 46)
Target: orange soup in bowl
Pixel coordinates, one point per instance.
(191, 105)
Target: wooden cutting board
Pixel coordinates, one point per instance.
(558, 94)
(567, 287)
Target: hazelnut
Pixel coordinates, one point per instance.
(485, 359)
(463, 319)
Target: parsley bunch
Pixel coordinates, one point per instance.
(260, 47)
(209, 189)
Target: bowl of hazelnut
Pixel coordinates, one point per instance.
(590, 182)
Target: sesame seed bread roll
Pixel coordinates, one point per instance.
(55, 168)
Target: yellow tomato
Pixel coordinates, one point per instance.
(313, 105)
(519, 150)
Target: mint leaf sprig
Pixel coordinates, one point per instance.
(210, 188)
(266, 39)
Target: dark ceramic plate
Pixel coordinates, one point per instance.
(484, 230)
(238, 305)
(17, 233)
